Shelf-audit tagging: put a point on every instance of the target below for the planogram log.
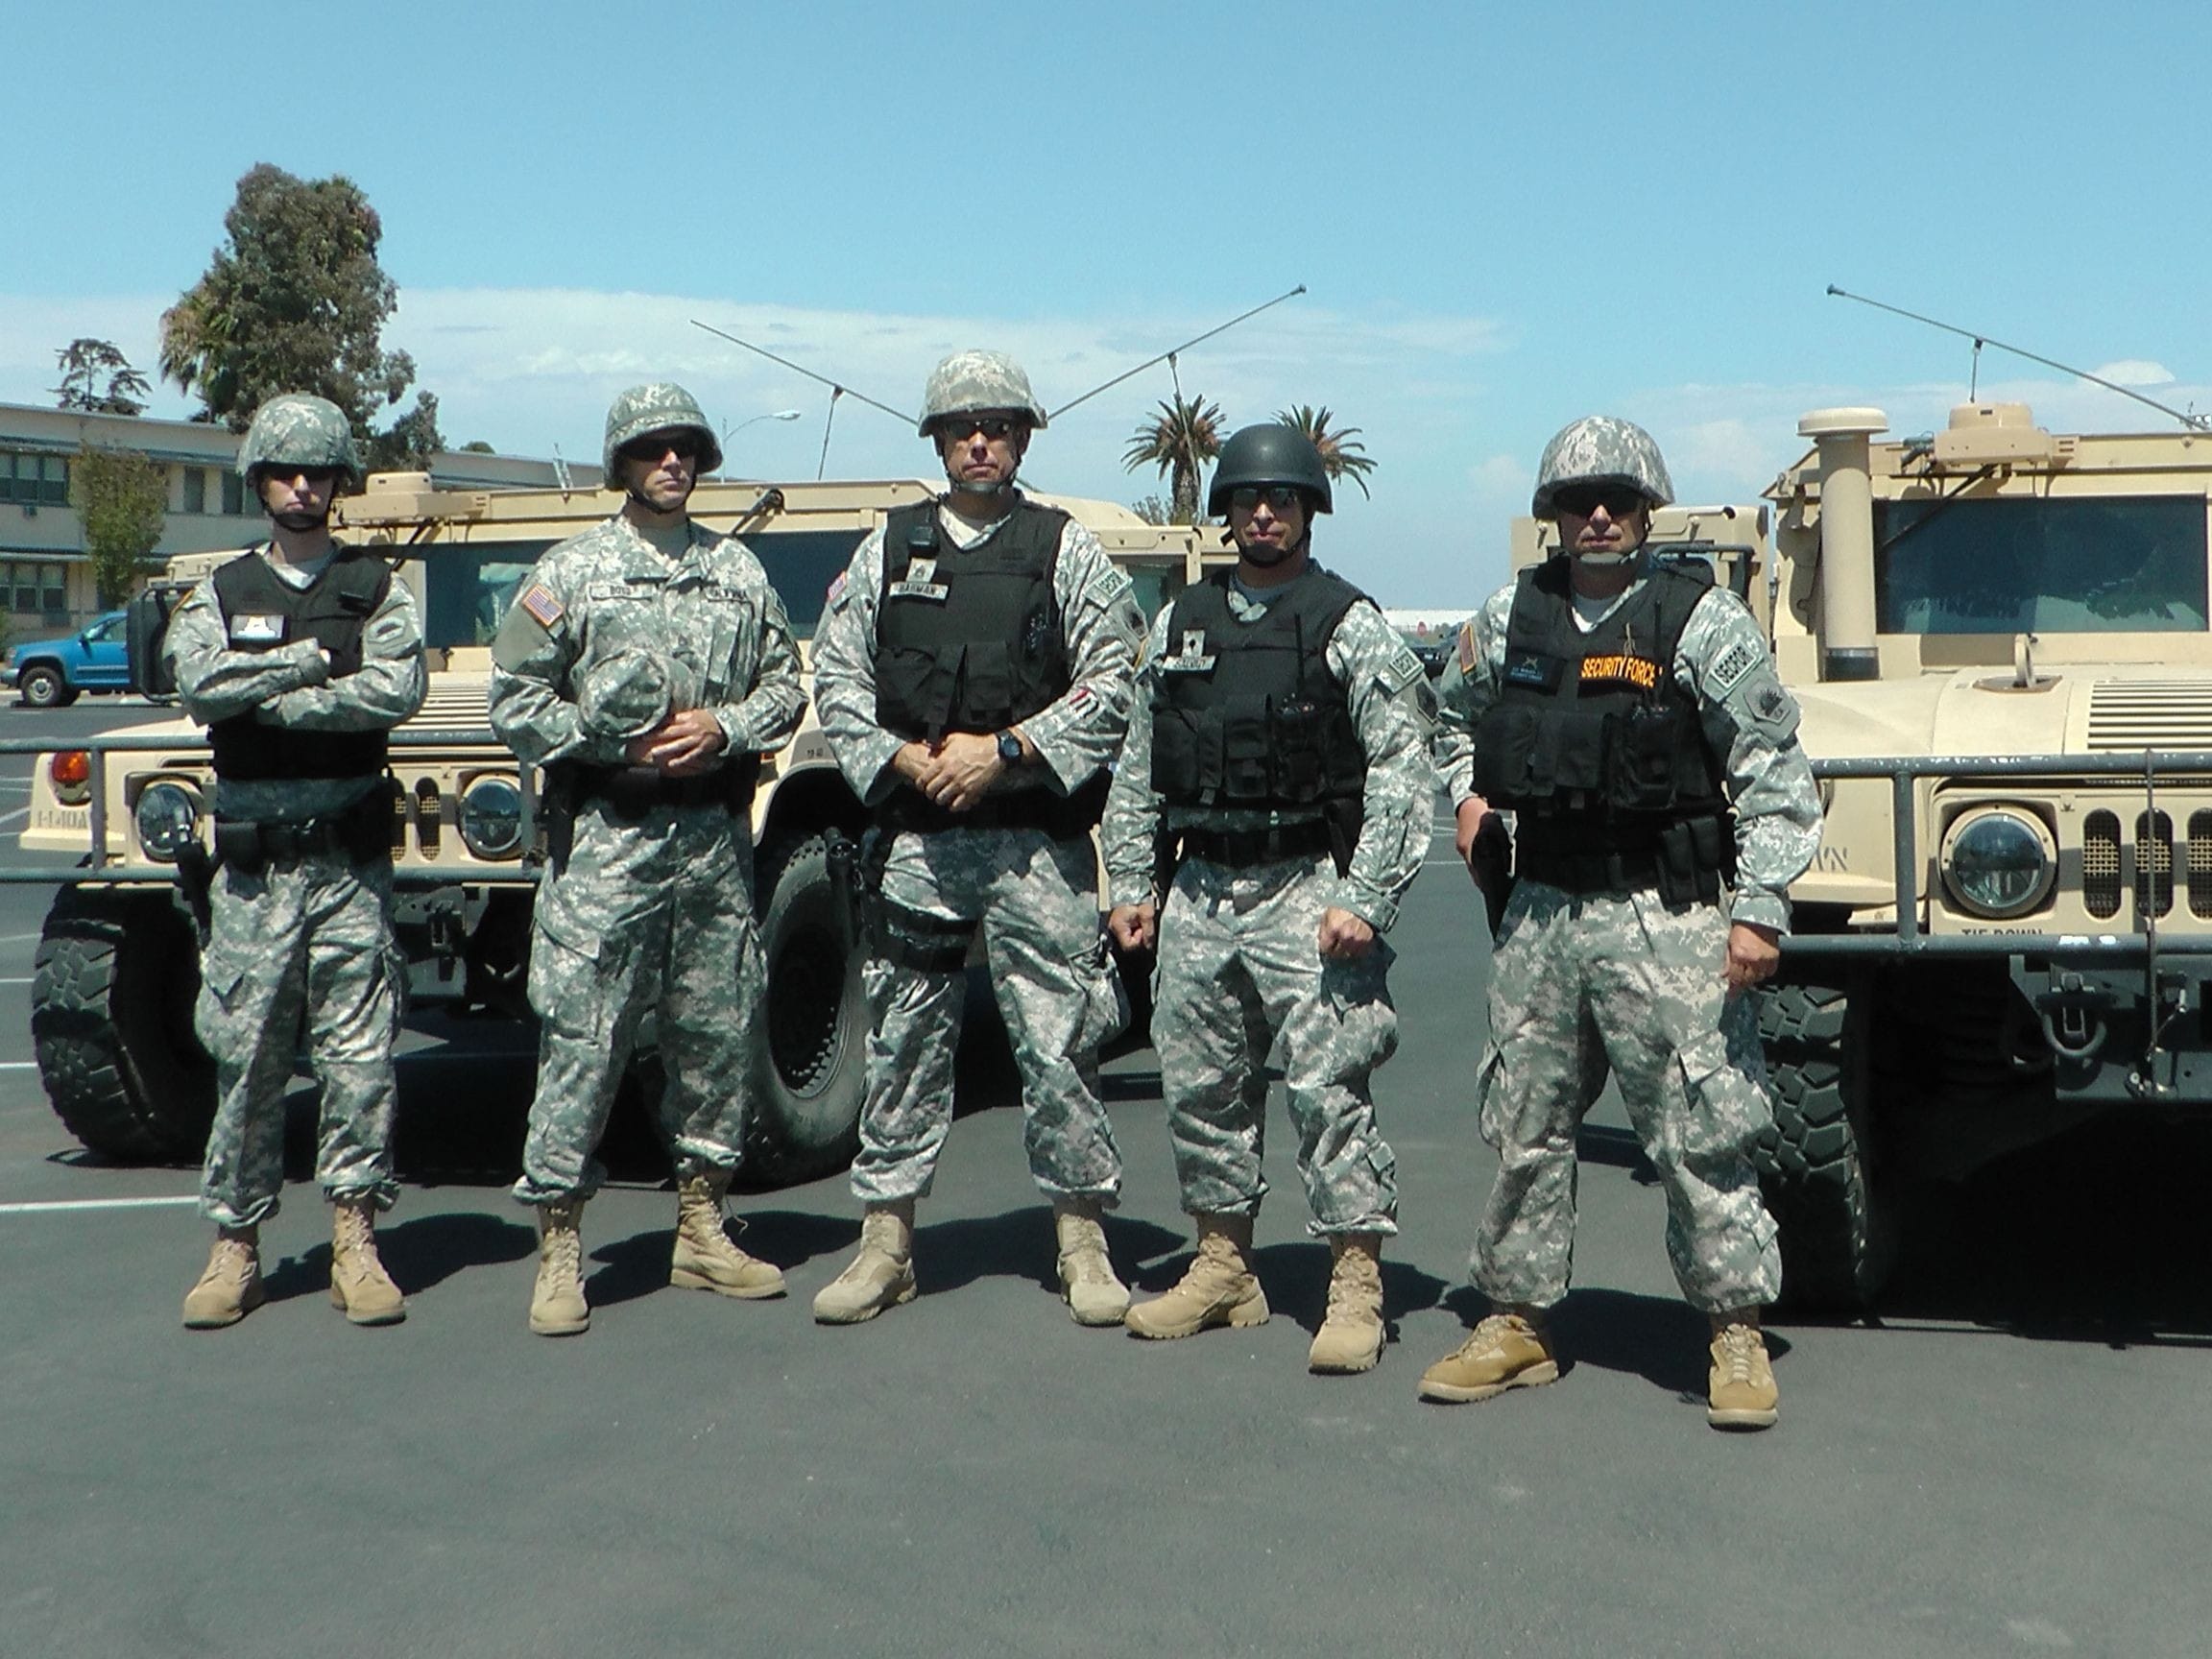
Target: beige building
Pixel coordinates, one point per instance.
(45, 579)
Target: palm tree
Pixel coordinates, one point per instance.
(1179, 441)
(1342, 453)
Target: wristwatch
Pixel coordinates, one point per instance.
(1009, 748)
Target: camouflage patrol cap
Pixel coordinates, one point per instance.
(1601, 449)
(658, 407)
(978, 383)
(624, 694)
(298, 429)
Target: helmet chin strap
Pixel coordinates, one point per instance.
(1609, 561)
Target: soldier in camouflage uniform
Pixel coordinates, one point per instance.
(1269, 812)
(299, 657)
(972, 675)
(1630, 714)
(646, 665)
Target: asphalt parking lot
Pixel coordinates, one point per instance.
(2008, 1461)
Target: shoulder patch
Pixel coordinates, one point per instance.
(836, 594)
(543, 607)
(1108, 586)
(1772, 710)
(1401, 671)
(1732, 665)
(1467, 647)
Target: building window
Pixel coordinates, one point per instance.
(37, 586)
(195, 489)
(34, 480)
(233, 492)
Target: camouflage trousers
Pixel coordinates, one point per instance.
(1583, 984)
(656, 918)
(1036, 901)
(302, 946)
(1240, 974)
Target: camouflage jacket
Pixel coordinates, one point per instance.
(1075, 736)
(1749, 722)
(290, 684)
(1393, 710)
(709, 619)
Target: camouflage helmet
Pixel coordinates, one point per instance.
(1601, 449)
(975, 383)
(659, 406)
(1271, 454)
(299, 429)
(625, 694)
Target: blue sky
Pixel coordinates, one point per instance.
(1505, 217)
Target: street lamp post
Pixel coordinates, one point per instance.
(728, 431)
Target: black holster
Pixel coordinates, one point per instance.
(1490, 861)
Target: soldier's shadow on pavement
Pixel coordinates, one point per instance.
(419, 1254)
(1660, 1338)
(1296, 1280)
(624, 1269)
(1617, 1148)
(1019, 1244)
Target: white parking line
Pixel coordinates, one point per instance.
(52, 1204)
(18, 1064)
(23, 979)
(10, 817)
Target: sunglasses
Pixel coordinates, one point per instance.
(1281, 497)
(962, 427)
(320, 477)
(1584, 499)
(681, 445)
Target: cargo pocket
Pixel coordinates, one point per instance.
(569, 968)
(212, 1020)
(1358, 995)
(1719, 1110)
(1491, 1098)
(1105, 1001)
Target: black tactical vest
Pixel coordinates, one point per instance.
(260, 612)
(968, 639)
(1591, 739)
(1247, 714)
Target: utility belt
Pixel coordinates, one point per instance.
(1241, 849)
(363, 831)
(630, 792)
(1063, 817)
(1686, 861)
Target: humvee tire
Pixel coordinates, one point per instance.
(806, 1107)
(113, 984)
(1813, 1162)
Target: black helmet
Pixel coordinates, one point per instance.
(1269, 454)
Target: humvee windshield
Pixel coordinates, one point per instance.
(2089, 565)
(468, 590)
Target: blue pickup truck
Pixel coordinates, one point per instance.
(51, 673)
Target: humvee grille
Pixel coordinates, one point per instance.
(426, 824)
(2200, 864)
(2151, 714)
(2153, 863)
(2101, 864)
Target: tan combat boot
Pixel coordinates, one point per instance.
(232, 1288)
(1088, 1285)
(1740, 1392)
(1219, 1288)
(1510, 1349)
(880, 1276)
(359, 1286)
(707, 1258)
(557, 1305)
(1350, 1334)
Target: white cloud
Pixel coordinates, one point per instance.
(2135, 372)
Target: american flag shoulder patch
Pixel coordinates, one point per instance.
(836, 590)
(1467, 647)
(543, 607)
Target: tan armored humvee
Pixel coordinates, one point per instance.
(117, 971)
(2004, 629)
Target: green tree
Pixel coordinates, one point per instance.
(122, 497)
(1178, 441)
(1342, 453)
(410, 442)
(98, 379)
(294, 300)
(1152, 510)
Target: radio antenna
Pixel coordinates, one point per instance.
(2195, 423)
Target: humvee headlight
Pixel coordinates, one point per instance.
(168, 819)
(1999, 863)
(492, 817)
